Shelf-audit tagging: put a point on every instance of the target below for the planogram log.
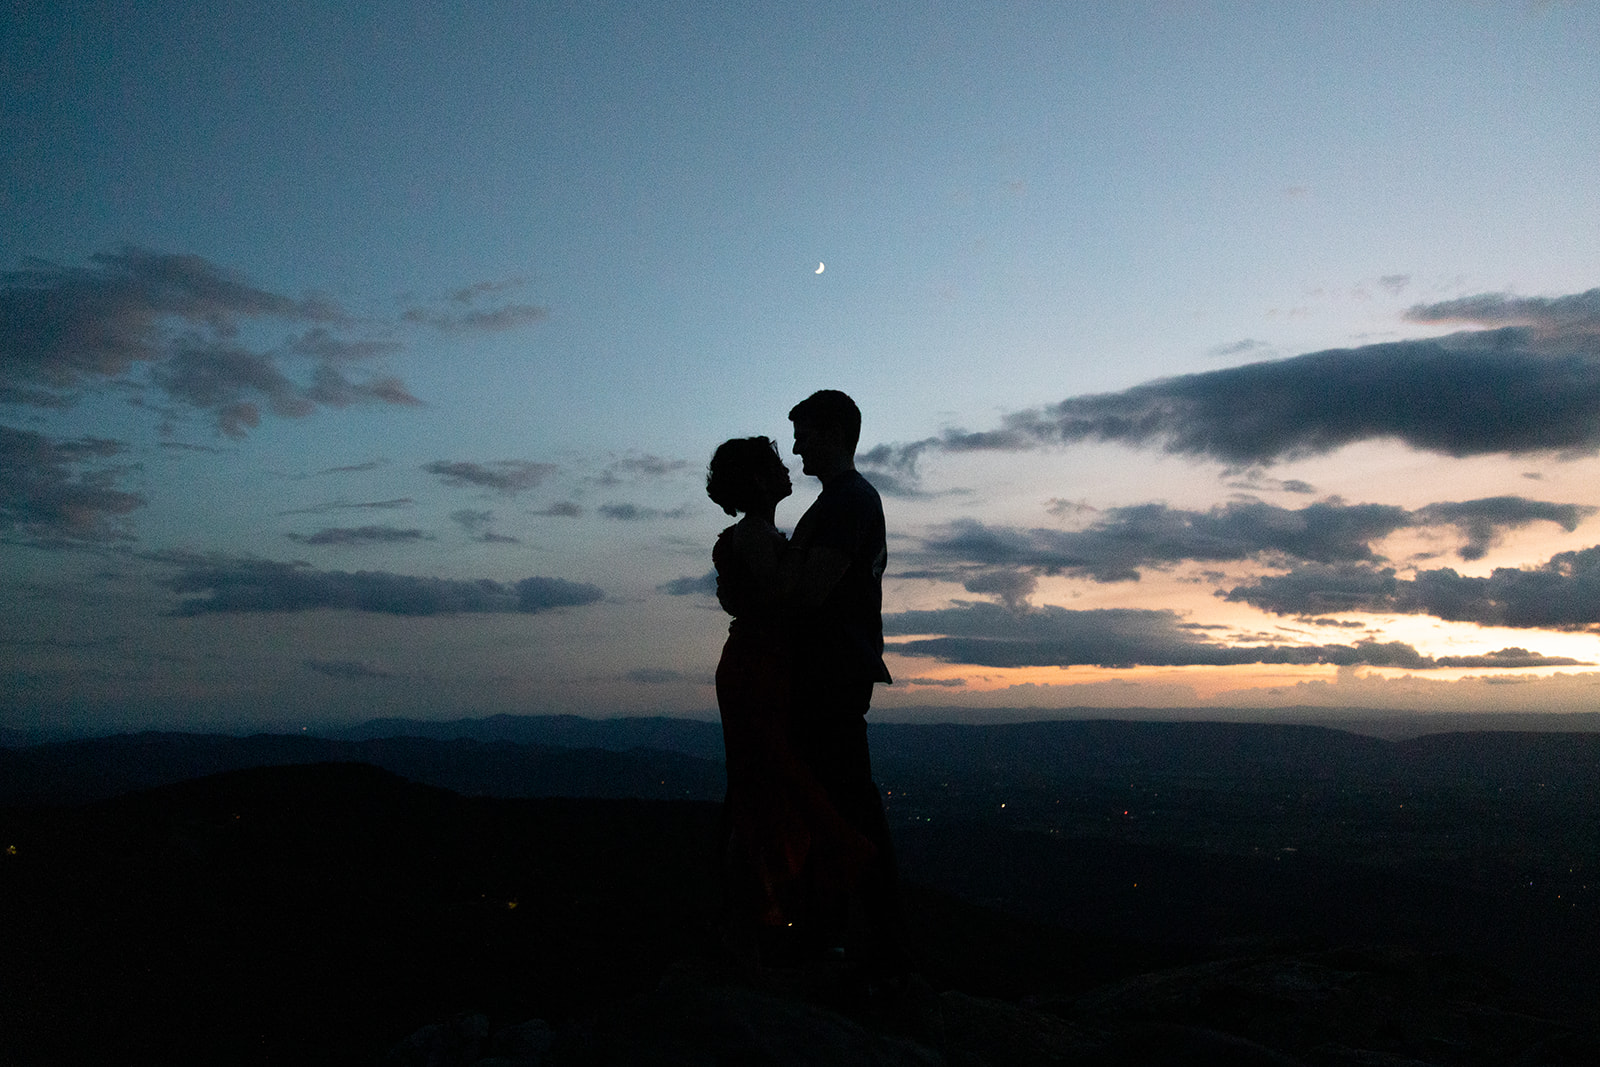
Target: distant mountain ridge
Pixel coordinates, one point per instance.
(692, 737)
(80, 771)
(663, 758)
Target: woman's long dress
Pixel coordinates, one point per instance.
(780, 822)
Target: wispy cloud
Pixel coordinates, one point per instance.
(635, 513)
(655, 676)
(227, 584)
(640, 467)
(478, 307)
(356, 468)
(51, 492)
(345, 505)
(360, 535)
(705, 585)
(346, 669)
(477, 524)
(509, 476)
(180, 319)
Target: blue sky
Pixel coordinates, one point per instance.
(312, 326)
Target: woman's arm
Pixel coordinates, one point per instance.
(761, 550)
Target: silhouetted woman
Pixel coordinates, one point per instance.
(779, 822)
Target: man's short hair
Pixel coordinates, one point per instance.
(831, 409)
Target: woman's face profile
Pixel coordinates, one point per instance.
(775, 481)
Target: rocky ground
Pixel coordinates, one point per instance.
(1369, 1007)
(338, 914)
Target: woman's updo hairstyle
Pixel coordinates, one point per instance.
(731, 478)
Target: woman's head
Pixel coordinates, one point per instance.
(746, 473)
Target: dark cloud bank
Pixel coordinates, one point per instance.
(1332, 569)
(989, 635)
(54, 489)
(1561, 594)
(1529, 384)
(214, 585)
(1123, 541)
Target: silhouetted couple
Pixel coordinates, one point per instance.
(806, 833)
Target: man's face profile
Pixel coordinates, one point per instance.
(806, 436)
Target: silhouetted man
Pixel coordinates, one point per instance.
(836, 562)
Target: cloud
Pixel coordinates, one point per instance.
(1247, 347)
(225, 584)
(183, 446)
(988, 635)
(320, 344)
(464, 310)
(542, 594)
(360, 535)
(509, 476)
(654, 676)
(179, 318)
(705, 585)
(892, 470)
(1529, 385)
(888, 483)
(344, 668)
(635, 513)
(356, 468)
(477, 523)
(1316, 589)
(564, 509)
(1560, 594)
(494, 320)
(1571, 317)
(1121, 541)
(1483, 522)
(48, 496)
(1011, 586)
(638, 467)
(343, 505)
(1510, 658)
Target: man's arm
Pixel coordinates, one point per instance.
(814, 575)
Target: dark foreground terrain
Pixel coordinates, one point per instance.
(1246, 896)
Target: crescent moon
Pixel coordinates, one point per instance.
(819, 268)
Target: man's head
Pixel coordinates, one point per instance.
(827, 425)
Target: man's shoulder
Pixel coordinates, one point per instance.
(852, 486)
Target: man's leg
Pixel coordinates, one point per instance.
(835, 747)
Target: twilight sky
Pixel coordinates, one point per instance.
(367, 361)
